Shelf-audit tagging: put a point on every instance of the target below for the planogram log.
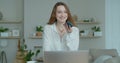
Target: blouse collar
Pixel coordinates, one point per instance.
(54, 27)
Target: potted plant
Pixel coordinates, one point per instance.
(3, 32)
(30, 54)
(39, 30)
(21, 52)
(82, 33)
(96, 31)
(24, 55)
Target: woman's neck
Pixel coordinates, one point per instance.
(60, 25)
(61, 29)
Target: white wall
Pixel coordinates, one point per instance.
(88, 9)
(112, 23)
(12, 10)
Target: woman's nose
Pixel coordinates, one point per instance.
(63, 14)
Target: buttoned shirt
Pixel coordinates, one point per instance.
(53, 41)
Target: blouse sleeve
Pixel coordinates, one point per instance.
(73, 39)
(46, 38)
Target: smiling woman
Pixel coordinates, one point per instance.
(60, 34)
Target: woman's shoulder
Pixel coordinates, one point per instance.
(75, 28)
(47, 26)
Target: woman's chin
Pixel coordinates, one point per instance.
(63, 22)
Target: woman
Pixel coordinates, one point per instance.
(60, 34)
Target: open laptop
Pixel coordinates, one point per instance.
(66, 56)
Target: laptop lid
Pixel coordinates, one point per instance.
(66, 56)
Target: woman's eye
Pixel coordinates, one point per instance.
(59, 12)
(65, 12)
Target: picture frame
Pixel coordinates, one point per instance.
(15, 33)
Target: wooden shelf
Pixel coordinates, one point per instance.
(90, 36)
(11, 37)
(5, 22)
(87, 22)
(36, 37)
(37, 46)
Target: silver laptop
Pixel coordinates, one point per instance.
(66, 57)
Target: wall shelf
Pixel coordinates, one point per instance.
(9, 22)
(5, 22)
(35, 37)
(37, 46)
(87, 28)
(90, 36)
(11, 37)
(87, 22)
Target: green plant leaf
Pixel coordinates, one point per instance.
(3, 29)
(37, 52)
(39, 28)
(95, 28)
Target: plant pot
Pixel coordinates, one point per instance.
(4, 34)
(98, 33)
(19, 53)
(20, 61)
(20, 57)
(38, 33)
(82, 34)
(25, 51)
(31, 61)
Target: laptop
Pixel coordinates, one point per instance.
(66, 56)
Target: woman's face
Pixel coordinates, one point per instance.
(61, 14)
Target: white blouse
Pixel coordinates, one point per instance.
(53, 42)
